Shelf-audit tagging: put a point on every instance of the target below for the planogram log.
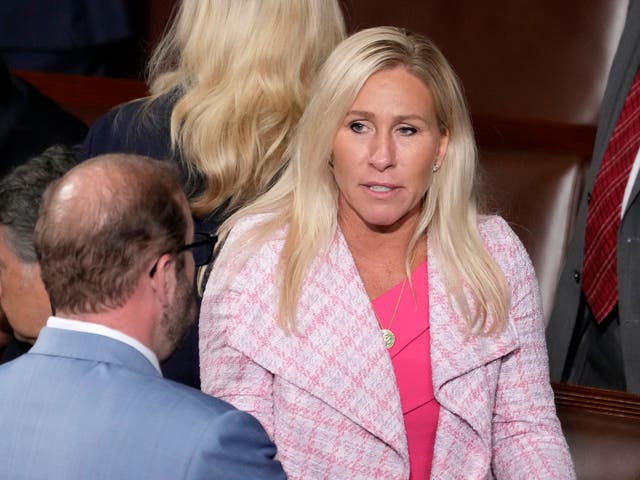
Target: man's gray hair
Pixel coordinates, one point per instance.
(21, 194)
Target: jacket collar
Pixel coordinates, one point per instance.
(87, 346)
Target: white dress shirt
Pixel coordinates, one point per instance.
(632, 180)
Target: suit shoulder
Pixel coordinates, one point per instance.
(193, 399)
(496, 233)
(246, 249)
(138, 127)
(245, 225)
(220, 423)
(503, 244)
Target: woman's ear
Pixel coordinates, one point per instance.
(442, 146)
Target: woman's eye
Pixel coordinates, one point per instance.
(407, 130)
(357, 127)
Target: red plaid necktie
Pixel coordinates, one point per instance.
(600, 275)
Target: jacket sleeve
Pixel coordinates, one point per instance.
(527, 437)
(132, 128)
(235, 447)
(225, 372)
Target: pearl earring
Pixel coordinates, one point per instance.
(435, 168)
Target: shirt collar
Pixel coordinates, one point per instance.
(97, 329)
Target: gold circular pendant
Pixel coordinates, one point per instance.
(388, 337)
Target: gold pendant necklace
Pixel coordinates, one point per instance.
(388, 336)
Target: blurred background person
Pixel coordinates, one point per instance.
(23, 298)
(228, 84)
(367, 307)
(594, 330)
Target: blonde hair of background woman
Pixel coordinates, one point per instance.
(243, 69)
(305, 197)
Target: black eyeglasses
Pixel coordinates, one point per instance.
(201, 249)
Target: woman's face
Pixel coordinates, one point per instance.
(384, 152)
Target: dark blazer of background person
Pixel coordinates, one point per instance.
(31, 122)
(567, 304)
(144, 129)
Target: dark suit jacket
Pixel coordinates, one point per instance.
(13, 349)
(83, 406)
(145, 130)
(563, 318)
(132, 128)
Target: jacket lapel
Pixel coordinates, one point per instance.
(460, 384)
(337, 353)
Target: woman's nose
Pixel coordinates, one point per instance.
(383, 153)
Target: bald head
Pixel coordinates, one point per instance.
(101, 225)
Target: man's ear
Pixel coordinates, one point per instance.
(163, 280)
(36, 276)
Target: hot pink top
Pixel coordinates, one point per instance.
(411, 360)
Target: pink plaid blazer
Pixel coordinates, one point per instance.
(328, 397)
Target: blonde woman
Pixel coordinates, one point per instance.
(228, 83)
(371, 319)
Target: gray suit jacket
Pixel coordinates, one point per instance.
(84, 406)
(563, 318)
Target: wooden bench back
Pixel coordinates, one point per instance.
(86, 97)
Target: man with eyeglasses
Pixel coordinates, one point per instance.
(24, 304)
(114, 241)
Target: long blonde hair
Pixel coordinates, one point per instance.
(242, 69)
(305, 197)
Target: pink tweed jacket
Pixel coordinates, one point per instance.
(327, 395)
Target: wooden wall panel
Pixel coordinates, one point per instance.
(537, 59)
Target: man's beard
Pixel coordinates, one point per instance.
(178, 317)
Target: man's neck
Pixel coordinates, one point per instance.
(130, 319)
